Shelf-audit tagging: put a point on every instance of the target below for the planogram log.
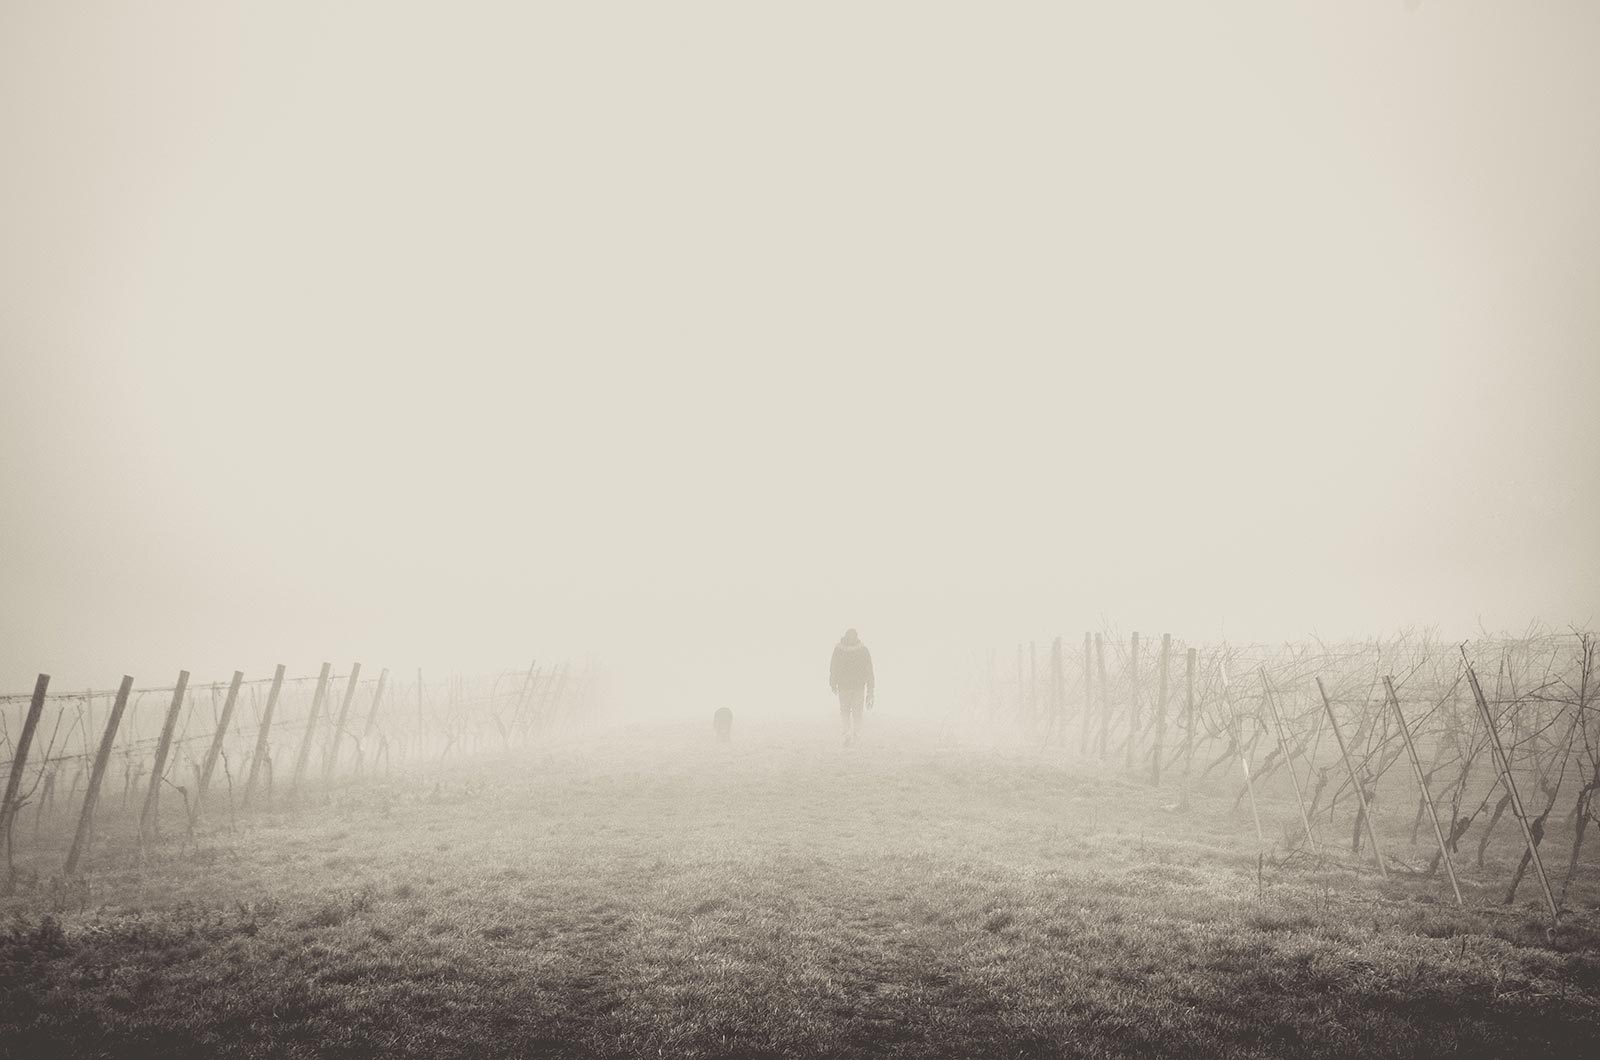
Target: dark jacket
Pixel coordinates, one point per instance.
(851, 667)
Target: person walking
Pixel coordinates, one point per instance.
(850, 677)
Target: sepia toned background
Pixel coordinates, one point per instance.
(686, 335)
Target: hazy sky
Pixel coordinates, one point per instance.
(688, 334)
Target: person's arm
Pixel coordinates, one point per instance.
(871, 681)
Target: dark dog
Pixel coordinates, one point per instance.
(722, 721)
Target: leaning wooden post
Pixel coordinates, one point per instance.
(80, 840)
(1355, 781)
(149, 818)
(311, 727)
(1133, 700)
(1188, 726)
(1161, 711)
(338, 728)
(1504, 766)
(216, 747)
(1088, 693)
(1422, 782)
(372, 713)
(19, 759)
(1105, 698)
(1288, 756)
(261, 735)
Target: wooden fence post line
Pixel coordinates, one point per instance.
(216, 746)
(1355, 781)
(311, 727)
(338, 728)
(19, 759)
(1503, 764)
(261, 735)
(372, 713)
(149, 817)
(1288, 756)
(1161, 711)
(1133, 700)
(80, 840)
(1422, 782)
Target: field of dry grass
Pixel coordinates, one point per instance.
(653, 894)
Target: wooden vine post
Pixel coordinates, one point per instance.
(311, 726)
(260, 754)
(102, 758)
(1355, 781)
(372, 712)
(1288, 757)
(149, 817)
(1422, 782)
(338, 727)
(19, 760)
(1503, 765)
(216, 746)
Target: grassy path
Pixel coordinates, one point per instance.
(658, 896)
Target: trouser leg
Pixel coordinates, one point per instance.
(850, 706)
